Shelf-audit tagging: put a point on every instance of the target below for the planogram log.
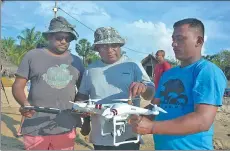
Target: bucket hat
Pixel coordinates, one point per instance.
(107, 35)
(60, 24)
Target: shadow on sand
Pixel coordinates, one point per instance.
(10, 122)
(78, 140)
(10, 143)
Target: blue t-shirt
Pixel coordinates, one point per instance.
(180, 89)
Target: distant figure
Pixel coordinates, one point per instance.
(160, 67)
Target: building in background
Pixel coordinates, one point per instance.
(149, 63)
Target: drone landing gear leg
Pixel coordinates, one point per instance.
(102, 127)
(118, 132)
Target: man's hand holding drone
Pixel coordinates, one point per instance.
(25, 112)
(137, 88)
(141, 125)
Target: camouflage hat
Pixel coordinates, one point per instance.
(107, 35)
(60, 24)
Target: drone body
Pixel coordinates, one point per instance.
(118, 112)
(126, 109)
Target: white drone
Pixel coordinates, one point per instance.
(119, 112)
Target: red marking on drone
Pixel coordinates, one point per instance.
(98, 106)
(114, 111)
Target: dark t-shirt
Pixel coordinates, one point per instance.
(53, 84)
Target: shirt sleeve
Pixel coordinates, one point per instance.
(24, 67)
(85, 84)
(209, 86)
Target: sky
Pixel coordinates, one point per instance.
(147, 26)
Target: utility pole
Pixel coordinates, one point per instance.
(55, 9)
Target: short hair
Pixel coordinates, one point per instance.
(162, 52)
(193, 23)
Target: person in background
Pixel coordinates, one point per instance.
(160, 67)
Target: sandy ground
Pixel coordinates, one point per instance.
(10, 120)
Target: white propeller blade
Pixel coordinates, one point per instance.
(159, 108)
(125, 100)
(85, 101)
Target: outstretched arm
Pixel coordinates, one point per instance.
(198, 121)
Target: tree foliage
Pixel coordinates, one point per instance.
(222, 60)
(84, 49)
(28, 39)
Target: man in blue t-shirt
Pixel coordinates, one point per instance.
(191, 94)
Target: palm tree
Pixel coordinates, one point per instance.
(7, 45)
(29, 39)
(8, 54)
(84, 48)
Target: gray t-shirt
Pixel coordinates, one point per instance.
(107, 82)
(53, 84)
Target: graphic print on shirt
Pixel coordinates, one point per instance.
(58, 77)
(173, 94)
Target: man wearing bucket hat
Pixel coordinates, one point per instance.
(113, 77)
(54, 74)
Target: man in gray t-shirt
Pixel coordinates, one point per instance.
(54, 74)
(113, 77)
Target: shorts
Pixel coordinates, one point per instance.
(51, 142)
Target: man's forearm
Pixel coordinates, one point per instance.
(188, 124)
(19, 95)
(149, 93)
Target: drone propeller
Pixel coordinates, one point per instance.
(125, 100)
(85, 101)
(91, 100)
(158, 108)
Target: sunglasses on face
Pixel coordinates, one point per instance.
(60, 38)
(107, 46)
